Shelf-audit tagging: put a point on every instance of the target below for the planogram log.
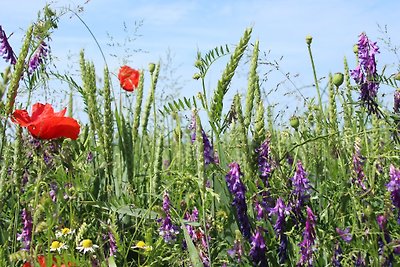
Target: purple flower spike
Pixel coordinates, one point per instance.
(237, 251)
(38, 56)
(26, 235)
(394, 188)
(112, 244)
(258, 249)
(53, 192)
(281, 210)
(358, 164)
(365, 74)
(306, 246)
(5, 48)
(345, 234)
(337, 256)
(167, 230)
(238, 191)
(301, 186)
(209, 154)
(263, 160)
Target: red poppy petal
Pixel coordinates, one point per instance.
(128, 78)
(21, 117)
(38, 109)
(55, 127)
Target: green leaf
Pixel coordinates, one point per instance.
(193, 253)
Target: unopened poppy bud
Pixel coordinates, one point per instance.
(152, 67)
(294, 122)
(355, 49)
(308, 39)
(338, 79)
(196, 76)
(198, 63)
(397, 76)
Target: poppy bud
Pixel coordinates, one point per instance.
(152, 66)
(308, 39)
(196, 76)
(294, 122)
(337, 79)
(397, 76)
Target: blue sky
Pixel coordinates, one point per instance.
(183, 27)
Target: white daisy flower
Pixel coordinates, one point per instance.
(57, 246)
(64, 232)
(86, 245)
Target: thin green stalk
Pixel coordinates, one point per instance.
(309, 41)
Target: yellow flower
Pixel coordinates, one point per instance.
(57, 246)
(143, 246)
(86, 245)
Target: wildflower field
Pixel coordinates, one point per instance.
(197, 181)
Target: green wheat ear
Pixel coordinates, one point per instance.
(200, 152)
(108, 125)
(227, 75)
(243, 140)
(19, 68)
(150, 99)
(138, 107)
(251, 87)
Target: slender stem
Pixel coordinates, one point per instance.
(315, 77)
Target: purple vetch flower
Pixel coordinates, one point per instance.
(258, 249)
(6, 49)
(396, 101)
(112, 244)
(89, 157)
(337, 256)
(259, 210)
(166, 203)
(365, 74)
(358, 164)
(237, 251)
(360, 261)
(382, 244)
(53, 191)
(38, 57)
(394, 188)
(301, 186)
(208, 147)
(26, 235)
(238, 191)
(263, 161)
(167, 230)
(309, 236)
(280, 210)
(193, 217)
(204, 258)
(345, 234)
(25, 179)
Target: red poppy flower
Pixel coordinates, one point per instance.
(44, 123)
(128, 78)
(41, 259)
